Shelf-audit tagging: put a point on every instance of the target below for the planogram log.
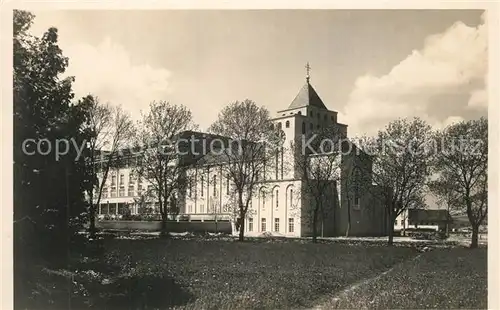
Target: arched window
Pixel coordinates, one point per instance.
(291, 197)
(279, 125)
(303, 128)
(299, 113)
(277, 199)
(287, 124)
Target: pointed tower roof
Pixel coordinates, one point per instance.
(307, 96)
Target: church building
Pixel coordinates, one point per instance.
(280, 204)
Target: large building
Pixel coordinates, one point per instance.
(280, 204)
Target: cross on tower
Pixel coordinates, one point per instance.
(308, 69)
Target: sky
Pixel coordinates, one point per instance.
(371, 66)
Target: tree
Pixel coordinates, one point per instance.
(159, 160)
(462, 168)
(50, 175)
(318, 162)
(110, 129)
(401, 155)
(253, 144)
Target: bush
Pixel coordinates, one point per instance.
(428, 235)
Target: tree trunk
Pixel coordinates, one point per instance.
(475, 233)
(164, 215)
(348, 229)
(390, 240)
(314, 224)
(241, 224)
(241, 236)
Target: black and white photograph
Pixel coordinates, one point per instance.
(286, 158)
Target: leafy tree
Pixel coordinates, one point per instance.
(401, 155)
(253, 144)
(50, 175)
(159, 159)
(318, 162)
(48, 186)
(462, 168)
(110, 129)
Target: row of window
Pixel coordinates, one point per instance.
(263, 225)
(121, 191)
(311, 126)
(132, 179)
(211, 209)
(318, 115)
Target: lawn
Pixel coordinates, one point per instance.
(215, 274)
(443, 278)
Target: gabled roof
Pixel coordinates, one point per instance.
(307, 96)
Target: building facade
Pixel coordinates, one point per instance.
(280, 203)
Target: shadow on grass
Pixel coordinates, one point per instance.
(142, 292)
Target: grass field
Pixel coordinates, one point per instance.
(201, 274)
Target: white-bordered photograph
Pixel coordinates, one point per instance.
(206, 158)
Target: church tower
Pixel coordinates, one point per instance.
(305, 114)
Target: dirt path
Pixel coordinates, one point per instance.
(351, 290)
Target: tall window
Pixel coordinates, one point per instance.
(291, 198)
(263, 201)
(202, 208)
(215, 185)
(277, 199)
(291, 225)
(279, 125)
(113, 179)
(122, 191)
(190, 208)
(113, 191)
(277, 165)
(202, 185)
(190, 188)
(276, 224)
(122, 178)
(263, 224)
(250, 224)
(287, 124)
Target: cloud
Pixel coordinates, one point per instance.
(452, 62)
(106, 71)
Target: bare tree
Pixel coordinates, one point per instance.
(111, 129)
(159, 160)
(401, 155)
(252, 146)
(462, 165)
(318, 163)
